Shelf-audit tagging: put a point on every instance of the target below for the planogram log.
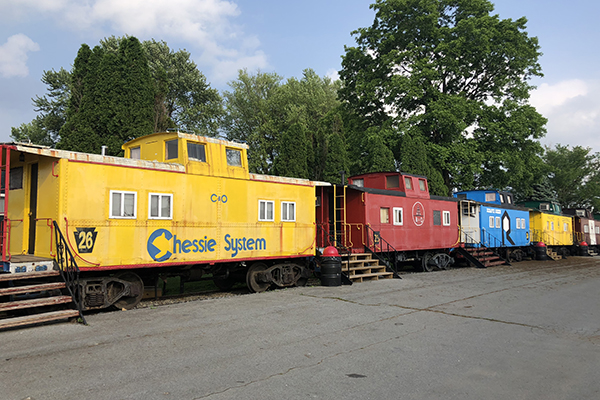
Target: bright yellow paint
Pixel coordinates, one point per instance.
(552, 229)
(211, 201)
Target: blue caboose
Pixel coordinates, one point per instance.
(489, 218)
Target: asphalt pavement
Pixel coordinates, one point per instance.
(526, 331)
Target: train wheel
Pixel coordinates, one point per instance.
(252, 278)
(425, 263)
(136, 291)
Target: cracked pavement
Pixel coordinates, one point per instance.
(527, 331)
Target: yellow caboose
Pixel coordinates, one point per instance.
(177, 203)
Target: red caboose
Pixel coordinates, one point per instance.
(390, 213)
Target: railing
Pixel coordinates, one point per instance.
(378, 246)
(469, 240)
(69, 270)
(557, 239)
(490, 240)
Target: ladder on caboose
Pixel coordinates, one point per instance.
(339, 216)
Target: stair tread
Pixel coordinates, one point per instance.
(371, 274)
(28, 275)
(38, 318)
(45, 301)
(32, 288)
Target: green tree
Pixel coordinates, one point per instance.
(575, 176)
(254, 115)
(45, 128)
(292, 159)
(112, 100)
(184, 98)
(458, 75)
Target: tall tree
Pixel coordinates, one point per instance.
(45, 128)
(575, 176)
(254, 115)
(112, 102)
(457, 74)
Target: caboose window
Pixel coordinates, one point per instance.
(586, 229)
(407, 183)
(446, 218)
(384, 214)
(234, 157)
(398, 214)
(490, 197)
(265, 210)
(437, 217)
(597, 230)
(135, 153)
(497, 222)
(196, 151)
(161, 206)
(172, 149)
(491, 222)
(123, 204)
(358, 182)
(501, 198)
(392, 181)
(288, 211)
(15, 180)
(422, 185)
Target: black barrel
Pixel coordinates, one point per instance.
(331, 271)
(540, 251)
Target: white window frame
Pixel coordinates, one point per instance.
(266, 203)
(586, 228)
(491, 221)
(286, 205)
(160, 197)
(497, 222)
(381, 211)
(122, 193)
(398, 211)
(446, 218)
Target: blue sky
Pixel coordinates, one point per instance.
(286, 38)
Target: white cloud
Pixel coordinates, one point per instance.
(332, 74)
(13, 56)
(207, 25)
(573, 111)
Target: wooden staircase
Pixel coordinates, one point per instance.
(34, 297)
(553, 255)
(481, 257)
(361, 267)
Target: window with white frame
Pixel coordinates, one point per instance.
(490, 197)
(598, 230)
(288, 211)
(398, 215)
(552, 225)
(565, 227)
(384, 215)
(123, 204)
(160, 206)
(491, 222)
(446, 218)
(586, 229)
(265, 210)
(497, 222)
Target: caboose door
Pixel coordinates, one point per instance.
(592, 233)
(33, 196)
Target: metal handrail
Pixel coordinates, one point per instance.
(69, 270)
(384, 247)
